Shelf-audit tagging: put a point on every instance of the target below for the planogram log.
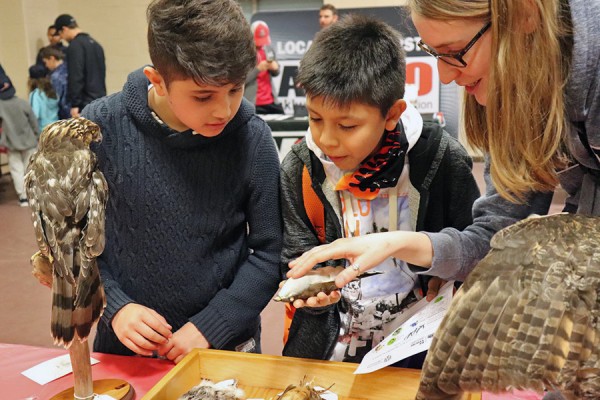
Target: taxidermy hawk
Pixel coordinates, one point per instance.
(527, 317)
(67, 195)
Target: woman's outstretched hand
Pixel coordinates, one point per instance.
(366, 252)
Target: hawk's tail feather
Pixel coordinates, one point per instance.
(61, 328)
(89, 300)
(84, 318)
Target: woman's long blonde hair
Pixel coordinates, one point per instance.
(523, 124)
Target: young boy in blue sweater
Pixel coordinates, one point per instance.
(375, 166)
(193, 232)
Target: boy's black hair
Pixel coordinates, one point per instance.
(209, 41)
(358, 59)
(50, 51)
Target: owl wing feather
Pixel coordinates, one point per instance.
(527, 317)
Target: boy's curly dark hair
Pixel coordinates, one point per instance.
(209, 41)
(358, 59)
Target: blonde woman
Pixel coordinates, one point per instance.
(532, 103)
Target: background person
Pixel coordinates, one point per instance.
(54, 61)
(7, 90)
(86, 65)
(55, 42)
(327, 15)
(259, 88)
(42, 96)
(20, 133)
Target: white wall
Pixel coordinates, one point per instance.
(118, 25)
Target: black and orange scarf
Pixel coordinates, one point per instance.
(382, 170)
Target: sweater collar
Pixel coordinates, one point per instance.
(135, 94)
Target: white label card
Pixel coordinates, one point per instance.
(52, 369)
(413, 335)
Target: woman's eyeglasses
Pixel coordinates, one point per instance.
(454, 59)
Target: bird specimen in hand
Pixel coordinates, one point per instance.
(527, 317)
(67, 195)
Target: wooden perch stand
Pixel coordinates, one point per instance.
(79, 352)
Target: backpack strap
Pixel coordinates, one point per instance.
(313, 206)
(316, 214)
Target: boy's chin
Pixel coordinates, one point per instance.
(209, 131)
(345, 166)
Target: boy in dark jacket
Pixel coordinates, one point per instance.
(376, 167)
(193, 231)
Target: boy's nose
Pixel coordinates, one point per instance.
(222, 110)
(447, 72)
(327, 138)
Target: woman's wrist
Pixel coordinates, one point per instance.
(413, 247)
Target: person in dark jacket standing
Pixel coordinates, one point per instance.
(86, 66)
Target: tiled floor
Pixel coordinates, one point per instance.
(25, 304)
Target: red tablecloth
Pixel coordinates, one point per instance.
(141, 373)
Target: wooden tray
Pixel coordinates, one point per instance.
(262, 376)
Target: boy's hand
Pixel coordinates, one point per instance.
(433, 287)
(141, 329)
(320, 300)
(182, 342)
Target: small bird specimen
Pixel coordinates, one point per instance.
(315, 281)
(304, 391)
(67, 195)
(527, 317)
(208, 390)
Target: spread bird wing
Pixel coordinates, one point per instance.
(527, 317)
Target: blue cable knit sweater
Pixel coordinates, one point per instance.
(193, 226)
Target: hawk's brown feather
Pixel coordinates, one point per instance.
(67, 195)
(527, 317)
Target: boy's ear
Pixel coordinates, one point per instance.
(394, 113)
(156, 80)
